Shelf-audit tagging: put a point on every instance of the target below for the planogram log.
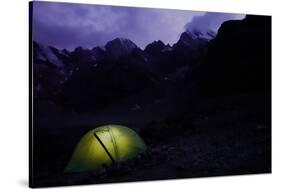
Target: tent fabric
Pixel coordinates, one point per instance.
(103, 146)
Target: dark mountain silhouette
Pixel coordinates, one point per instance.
(87, 79)
(239, 58)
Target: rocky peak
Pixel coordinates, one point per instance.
(119, 47)
(155, 47)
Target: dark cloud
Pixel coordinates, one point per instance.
(68, 25)
(211, 21)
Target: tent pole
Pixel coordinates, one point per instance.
(107, 152)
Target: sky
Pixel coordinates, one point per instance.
(69, 25)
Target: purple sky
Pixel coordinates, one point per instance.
(68, 25)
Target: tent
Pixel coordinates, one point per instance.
(104, 146)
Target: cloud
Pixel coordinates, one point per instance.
(69, 25)
(211, 21)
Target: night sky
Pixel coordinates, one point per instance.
(68, 25)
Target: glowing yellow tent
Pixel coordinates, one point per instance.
(103, 146)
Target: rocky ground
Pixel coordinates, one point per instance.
(220, 136)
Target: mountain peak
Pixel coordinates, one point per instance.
(155, 47)
(120, 46)
(191, 38)
(187, 36)
(46, 53)
(79, 49)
